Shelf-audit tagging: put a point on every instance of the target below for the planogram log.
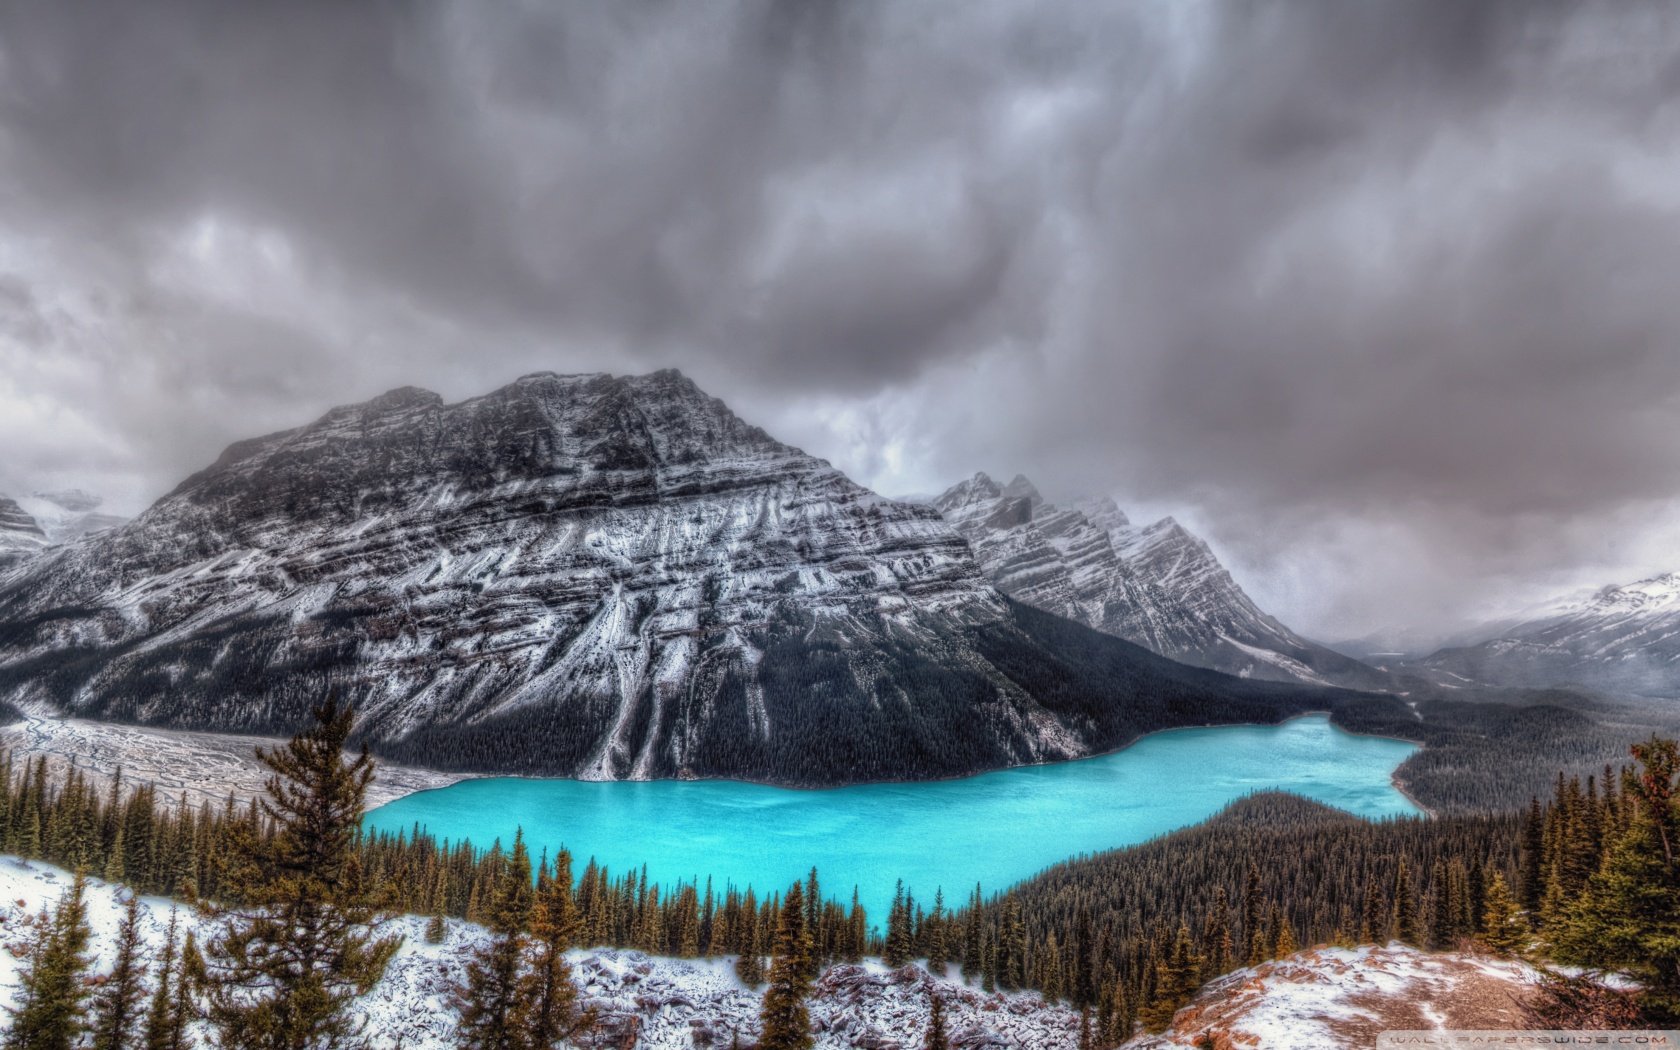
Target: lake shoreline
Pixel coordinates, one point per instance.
(996, 828)
(209, 767)
(785, 786)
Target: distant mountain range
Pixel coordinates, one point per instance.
(1622, 640)
(1156, 585)
(30, 524)
(611, 577)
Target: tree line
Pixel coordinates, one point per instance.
(296, 899)
(299, 894)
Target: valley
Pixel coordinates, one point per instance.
(607, 618)
(600, 577)
(832, 526)
(994, 829)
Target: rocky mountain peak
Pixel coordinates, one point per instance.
(20, 536)
(1020, 488)
(1624, 639)
(976, 495)
(1103, 512)
(607, 577)
(1158, 585)
(402, 399)
(76, 501)
(14, 521)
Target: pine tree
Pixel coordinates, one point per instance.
(896, 952)
(813, 924)
(495, 1002)
(971, 964)
(1287, 945)
(1533, 883)
(1372, 927)
(1405, 908)
(1503, 929)
(116, 872)
(1216, 936)
(1083, 988)
(52, 986)
(1254, 944)
(1050, 977)
(1477, 892)
(937, 950)
(857, 938)
(1629, 917)
(285, 965)
(1175, 982)
(555, 1014)
(936, 1038)
(749, 965)
(160, 1031)
(438, 928)
(786, 1021)
(1012, 948)
(1441, 906)
(187, 985)
(116, 1006)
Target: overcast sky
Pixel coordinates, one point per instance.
(1382, 298)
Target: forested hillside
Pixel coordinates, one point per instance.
(1128, 936)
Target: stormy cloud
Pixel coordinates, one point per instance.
(1378, 296)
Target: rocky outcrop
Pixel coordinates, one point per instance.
(597, 576)
(1329, 997)
(1158, 585)
(20, 536)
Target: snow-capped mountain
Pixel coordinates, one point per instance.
(610, 577)
(69, 515)
(20, 535)
(1623, 639)
(1156, 585)
(30, 524)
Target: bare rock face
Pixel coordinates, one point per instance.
(598, 576)
(1624, 639)
(20, 536)
(1158, 585)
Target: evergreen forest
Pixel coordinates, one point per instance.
(1587, 877)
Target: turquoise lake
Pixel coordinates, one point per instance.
(994, 829)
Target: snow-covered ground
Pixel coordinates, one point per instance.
(1338, 997)
(644, 1002)
(205, 767)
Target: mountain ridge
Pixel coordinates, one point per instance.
(1623, 639)
(1157, 585)
(595, 576)
(20, 535)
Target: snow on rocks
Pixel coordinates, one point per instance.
(591, 557)
(199, 767)
(645, 1002)
(1623, 639)
(1339, 997)
(1159, 586)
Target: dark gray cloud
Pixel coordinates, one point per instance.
(1378, 294)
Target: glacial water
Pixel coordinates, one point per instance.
(994, 829)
